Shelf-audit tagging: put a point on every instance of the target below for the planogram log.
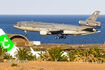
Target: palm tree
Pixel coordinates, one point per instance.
(92, 55)
(22, 54)
(41, 55)
(55, 53)
(7, 56)
(2, 53)
(31, 57)
(72, 54)
(45, 56)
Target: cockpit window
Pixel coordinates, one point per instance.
(17, 23)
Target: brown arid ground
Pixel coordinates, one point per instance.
(46, 46)
(48, 65)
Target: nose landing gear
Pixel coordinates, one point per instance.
(25, 33)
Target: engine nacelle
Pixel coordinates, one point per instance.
(43, 32)
(92, 24)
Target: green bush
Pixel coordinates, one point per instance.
(7, 56)
(53, 54)
(23, 54)
(13, 64)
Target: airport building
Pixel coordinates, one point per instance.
(35, 43)
(19, 40)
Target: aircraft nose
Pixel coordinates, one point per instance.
(15, 25)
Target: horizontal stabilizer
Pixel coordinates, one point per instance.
(91, 33)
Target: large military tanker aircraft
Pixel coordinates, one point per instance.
(87, 27)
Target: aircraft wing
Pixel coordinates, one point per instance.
(56, 31)
(83, 30)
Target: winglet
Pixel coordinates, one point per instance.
(31, 49)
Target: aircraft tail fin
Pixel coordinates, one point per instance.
(93, 17)
(6, 43)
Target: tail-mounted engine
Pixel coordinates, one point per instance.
(91, 24)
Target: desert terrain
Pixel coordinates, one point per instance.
(46, 46)
(48, 65)
(52, 65)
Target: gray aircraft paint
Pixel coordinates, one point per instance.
(63, 29)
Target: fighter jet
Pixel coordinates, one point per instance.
(86, 27)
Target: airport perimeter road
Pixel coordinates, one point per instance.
(48, 65)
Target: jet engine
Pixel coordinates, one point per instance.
(92, 24)
(43, 32)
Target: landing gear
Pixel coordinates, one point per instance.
(61, 37)
(57, 37)
(25, 33)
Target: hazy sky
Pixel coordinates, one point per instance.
(50, 7)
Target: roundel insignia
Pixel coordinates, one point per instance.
(87, 23)
(5, 42)
(96, 13)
